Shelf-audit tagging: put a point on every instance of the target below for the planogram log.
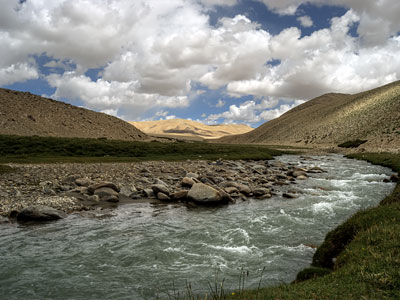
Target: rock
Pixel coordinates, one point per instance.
(105, 192)
(160, 188)
(93, 198)
(39, 213)
(395, 178)
(179, 195)
(83, 182)
(128, 190)
(231, 190)
(266, 196)
(187, 182)
(243, 189)
(301, 177)
(80, 190)
(289, 196)
(206, 195)
(110, 198)
(260, 191)
(99, 185)
(298, 174)
(315, 170)
(163, 197)
(159, 181)
(192, 175)
(148, 193)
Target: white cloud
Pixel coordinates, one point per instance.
(153, 52)
(18, 72)
(218, 2)
(220, 103)
(305, 21)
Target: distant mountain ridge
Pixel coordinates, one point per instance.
(332, 119)
(181, 128)
(23, 113)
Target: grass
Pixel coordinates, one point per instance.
(50, 149)
(360, 259)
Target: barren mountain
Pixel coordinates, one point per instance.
(332, 119)
(190, 129)
(22, 113)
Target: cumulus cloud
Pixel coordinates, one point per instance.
(152, 54)
(251, 112)
(305, 21)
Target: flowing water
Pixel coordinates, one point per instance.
(142, 250)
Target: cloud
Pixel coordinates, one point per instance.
(305, 21)
(252, 112)
(18, 72)
(153, 54)
(220, 103)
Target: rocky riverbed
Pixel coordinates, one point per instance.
(75, 187)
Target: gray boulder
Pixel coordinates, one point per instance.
(160, 188)
(203, 194)
(105, 192)
(99, 185)
(40, 213)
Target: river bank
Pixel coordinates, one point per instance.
(77, 187)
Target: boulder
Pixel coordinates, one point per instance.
(260, 191)
(163, 197)
(179, 195)
(243, 189)
(289, 196)
(160, 188)
(105, 192)
(203, 194)
(99, 185)
(39, 213)
(231, 190)
(83, 182)
(187, 182)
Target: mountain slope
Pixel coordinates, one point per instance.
(188, 128)
(22, 113)
(332, 119)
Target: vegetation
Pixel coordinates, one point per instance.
(51, 149)
(352, 144)
(360, 259)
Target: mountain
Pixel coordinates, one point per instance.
(333, 119)
(181, 128)
(22, 113)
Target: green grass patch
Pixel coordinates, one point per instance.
(50, 149)
(352, 144)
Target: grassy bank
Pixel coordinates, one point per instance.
(360, 259)
(50, 149)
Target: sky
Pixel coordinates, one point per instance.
(214, 61)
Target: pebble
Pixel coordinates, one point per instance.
(66, 187)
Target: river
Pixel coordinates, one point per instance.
(139, 251)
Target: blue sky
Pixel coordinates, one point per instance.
(216, 61)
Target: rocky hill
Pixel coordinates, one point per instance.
(22, 113)
(180, 128)
(332, 119)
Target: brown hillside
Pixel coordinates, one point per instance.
(180, 128)
(22, 113)
(332, 119)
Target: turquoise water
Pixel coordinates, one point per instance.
(139, 251)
